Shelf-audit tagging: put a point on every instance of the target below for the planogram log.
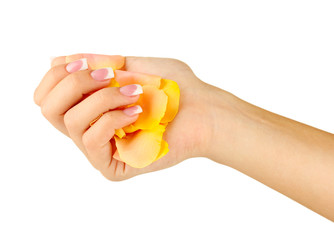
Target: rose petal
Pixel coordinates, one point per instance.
(96, 61)
(127, 78)
(120, 133)
(130, 128)
(141, 148)
(163, 150)
(113, 83)
(153, 101)
(172, 90)
(116, 156)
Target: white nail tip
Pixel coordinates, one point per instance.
(84, 64)
(110, 73)
(138, 110)
(139, 90)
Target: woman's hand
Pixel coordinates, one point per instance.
(70, 98)
(290, 157)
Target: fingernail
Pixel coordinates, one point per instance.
(102, 74)
(131, 111)
(77, 65)
(131, 90)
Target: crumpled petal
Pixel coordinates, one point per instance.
(96, 61)
(153, 101)
(163, 150)
(113, 83)
(130, 128)
(171, 89)
(116, 156)
(141, 143)
(141, 148)
(120, 133)
(127, 78)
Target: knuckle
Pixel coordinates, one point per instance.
(177, 61)
(103, 96)
(37, 99)
(46, 111)
(74, 80)
(100, 96)
(179, 64)
(112, 120)
(53, 72)
(69, 121)
(88, 142)
(109, 117)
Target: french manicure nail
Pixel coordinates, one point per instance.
(77, 65)
(102, 74)
(131, 111)
(131, 90)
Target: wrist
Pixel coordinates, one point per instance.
(230, 120)
(219, 108)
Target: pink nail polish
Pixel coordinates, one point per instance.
(131, 111)
(102, 74)
(131, 90)
(77, 65)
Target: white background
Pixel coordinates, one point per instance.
(276, 54)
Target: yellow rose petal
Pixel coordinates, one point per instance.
(120, 133)
(141, 148)
(153, 101)
(130, 128)
(163, 150)
(172, 90)
(116, 156)
(113, 83)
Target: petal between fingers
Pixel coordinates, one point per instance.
(153, 102)
(171, 89)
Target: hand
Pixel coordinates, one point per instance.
(70, 101)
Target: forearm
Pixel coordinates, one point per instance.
(290, 157)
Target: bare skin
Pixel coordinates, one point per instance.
(290, 157)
